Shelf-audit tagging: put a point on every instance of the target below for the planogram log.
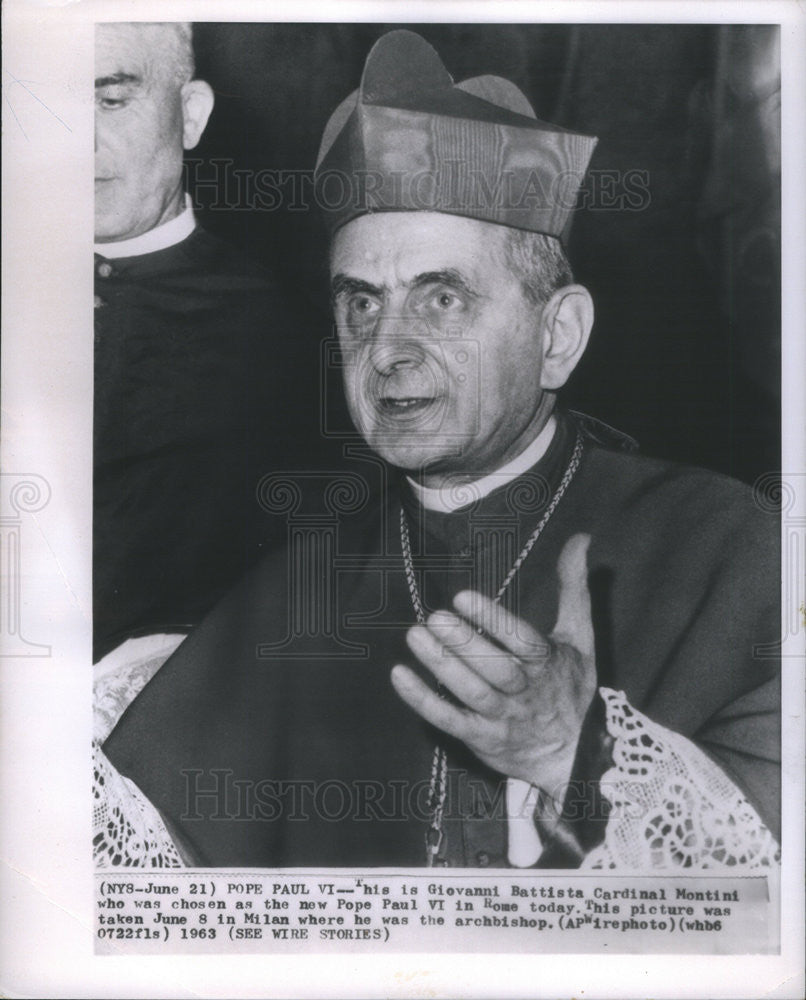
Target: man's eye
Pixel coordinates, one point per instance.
(363, 305)
(447, 300)
(108, 103)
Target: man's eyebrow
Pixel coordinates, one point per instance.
(117, 78)
(450, 277)
(342, 284)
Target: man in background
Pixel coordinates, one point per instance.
(191, 355)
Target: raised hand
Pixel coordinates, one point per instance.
(523, 696)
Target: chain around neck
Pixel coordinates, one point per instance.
(438, 783)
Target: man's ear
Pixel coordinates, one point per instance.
(197, 103)
(565, 325)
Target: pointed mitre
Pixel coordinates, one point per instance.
(409, 139)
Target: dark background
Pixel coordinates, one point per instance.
(685, 354)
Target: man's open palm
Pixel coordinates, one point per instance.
(523, 697)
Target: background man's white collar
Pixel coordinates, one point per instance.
(450, 498)
(159, 238)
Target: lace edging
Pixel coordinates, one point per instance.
(127, 831)
(123, 674)
(671, 807)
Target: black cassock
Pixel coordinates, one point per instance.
(273, 737)
(195, 362)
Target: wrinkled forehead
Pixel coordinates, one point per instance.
(141, 52)
(390, 247)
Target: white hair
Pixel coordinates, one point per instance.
(538, 262)
(173, 40)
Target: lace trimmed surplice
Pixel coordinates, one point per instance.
(671, 807)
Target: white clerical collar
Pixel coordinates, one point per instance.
(450, 498)
(159, 238)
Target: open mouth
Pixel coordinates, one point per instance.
(405, 404)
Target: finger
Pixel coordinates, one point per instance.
(512, 632)
(574, 625)
(426, 703)
(472, 690)
(494, 665)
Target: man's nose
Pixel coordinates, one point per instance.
(398, 341)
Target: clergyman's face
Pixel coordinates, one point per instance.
(440, 347)
(138, 133)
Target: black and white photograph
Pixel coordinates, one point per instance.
(433, 533)
(485, 595)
